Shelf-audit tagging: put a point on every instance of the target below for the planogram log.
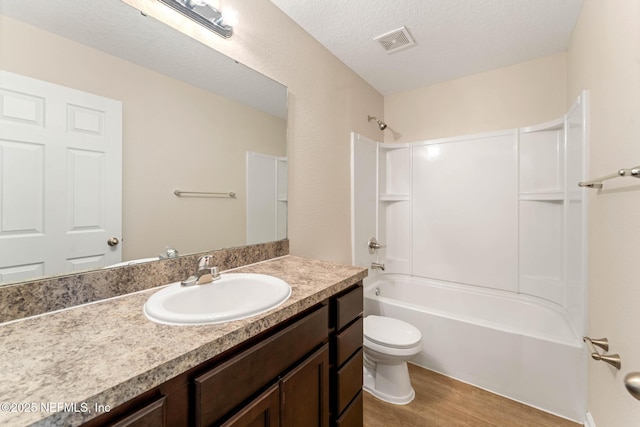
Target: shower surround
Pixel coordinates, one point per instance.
(498, 215)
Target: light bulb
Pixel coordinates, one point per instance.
(229, 16)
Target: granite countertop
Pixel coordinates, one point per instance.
(108, 352)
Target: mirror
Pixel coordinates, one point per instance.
(191, 119)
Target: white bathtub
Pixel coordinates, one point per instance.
(513, 345)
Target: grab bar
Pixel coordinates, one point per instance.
(597, 183)
(603, 343)
(205, 193)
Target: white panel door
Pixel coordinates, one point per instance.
(60, 179)
(364, 198)
(465, 211)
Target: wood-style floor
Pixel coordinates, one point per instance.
(444, 402)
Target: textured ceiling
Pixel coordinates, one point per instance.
(454, 38)
(120, 30)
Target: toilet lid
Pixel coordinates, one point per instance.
(390, 332)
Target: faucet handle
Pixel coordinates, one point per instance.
(373, 245)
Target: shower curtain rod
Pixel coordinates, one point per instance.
(597, 183)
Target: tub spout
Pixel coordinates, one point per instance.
(375, 265)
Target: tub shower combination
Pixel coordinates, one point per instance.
(516, 347)
(483, 247)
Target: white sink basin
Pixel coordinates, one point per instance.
(235, 296)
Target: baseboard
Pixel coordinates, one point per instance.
(588, 421)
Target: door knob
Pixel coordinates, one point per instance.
(632, 383)
(113, 241)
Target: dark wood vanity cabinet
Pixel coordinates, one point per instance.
(306, 371)
(302, 394)
(295, 358)
(346, 358)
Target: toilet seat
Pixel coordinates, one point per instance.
(390, 332)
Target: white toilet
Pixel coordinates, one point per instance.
(388, 345)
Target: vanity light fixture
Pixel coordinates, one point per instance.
(207, 14)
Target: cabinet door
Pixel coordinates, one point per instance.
(304, 392)
(227, 385)
(264, 411)
(152, 415)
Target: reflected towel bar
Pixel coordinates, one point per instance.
(204, 193)
(597, 183)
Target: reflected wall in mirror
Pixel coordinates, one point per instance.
(190, 115)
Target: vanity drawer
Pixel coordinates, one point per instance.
(348, 306)
(348, 341)
(348, 381)
(353, 416)
(227, 385)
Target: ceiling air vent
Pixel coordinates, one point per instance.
(395, 40)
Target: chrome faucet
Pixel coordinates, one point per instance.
(169, 253)
(206, 273)
(375, 265)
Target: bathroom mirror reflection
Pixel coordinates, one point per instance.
(191, 120)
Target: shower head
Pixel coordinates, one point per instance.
(382, 125)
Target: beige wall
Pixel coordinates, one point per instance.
(174, 136)
(520, 95)
(604, 56)
(326, 102)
